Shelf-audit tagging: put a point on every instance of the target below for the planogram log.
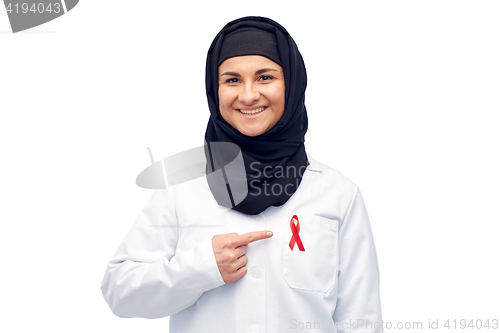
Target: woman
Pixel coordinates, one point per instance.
(296, 253)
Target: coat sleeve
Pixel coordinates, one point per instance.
(358, 298)
(146, 277)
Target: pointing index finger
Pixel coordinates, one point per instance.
(253, 236)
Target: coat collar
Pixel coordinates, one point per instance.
(313, 164)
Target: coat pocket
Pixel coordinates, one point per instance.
(315, 268)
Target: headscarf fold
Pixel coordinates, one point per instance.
(275, 160)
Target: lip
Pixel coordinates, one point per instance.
(252, 116)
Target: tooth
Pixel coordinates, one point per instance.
(252, 111)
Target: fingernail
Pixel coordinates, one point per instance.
(270, 233)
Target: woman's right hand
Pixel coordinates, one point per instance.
(230, 249)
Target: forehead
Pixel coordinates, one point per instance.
(248, 63)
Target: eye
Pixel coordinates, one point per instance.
(266, 78)
(232, 80)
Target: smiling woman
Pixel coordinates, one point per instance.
(258, 105)
(297, 249)
(251, 93)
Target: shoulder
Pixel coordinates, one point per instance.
(323, 192)
(329, 175)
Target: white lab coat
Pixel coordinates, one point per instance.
(166, 265)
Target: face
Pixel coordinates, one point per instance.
(251, 93)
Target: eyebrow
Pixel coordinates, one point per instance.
(260, 71)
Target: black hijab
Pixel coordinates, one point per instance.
(275, 160)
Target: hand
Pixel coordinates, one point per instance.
(230, 249)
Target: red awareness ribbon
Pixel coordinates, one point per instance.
(295, 232)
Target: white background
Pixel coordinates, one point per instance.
(402, 98)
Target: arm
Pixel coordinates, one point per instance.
(146, 277)
(358, 282)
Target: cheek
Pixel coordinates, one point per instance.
(278, 98)
(280, 102)
(225, 103)
(278, 92)
(224, 99)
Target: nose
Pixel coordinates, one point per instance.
(249, 94)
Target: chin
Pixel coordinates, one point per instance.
(251, 132)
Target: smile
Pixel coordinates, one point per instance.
(254, 111)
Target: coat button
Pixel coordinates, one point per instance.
(256, 273)
(254, 329)
(259, 217)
